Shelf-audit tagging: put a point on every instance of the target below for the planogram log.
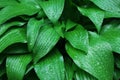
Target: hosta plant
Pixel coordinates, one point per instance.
(59, 39)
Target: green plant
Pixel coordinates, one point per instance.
(59, 40)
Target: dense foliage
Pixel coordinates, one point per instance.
(59, 39)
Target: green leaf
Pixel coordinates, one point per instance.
(111, 33)
(98, 61)
(4, 3)
(51, 67)
(94, 14)
(108, 5)
(16, 10)
(6, 26)
(109, 14)
(16, 66)
(46, 40)
(53, 9)
(33, 28)
(78, 38)
(82, 75)
(13, 36)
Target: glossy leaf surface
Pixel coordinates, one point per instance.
(98, 61)
(51, 67)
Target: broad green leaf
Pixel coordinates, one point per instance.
(51, 67)
(16, 10)
(69, 25)
(78, 38)
(111, 33)
(69, 70)
(94, 14)
(33, 28)
(6, 26)
(11, 37)
(16, 66)
(4, 3)
(46, 40)
(108, 5)
(82, 75)
(98, 61)
(53, 9)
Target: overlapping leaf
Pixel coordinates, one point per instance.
(17, 9)
(96, 16)
(111, 33)
(78, 38)
(99, 60)
(16, 66)
(13, 36)
(33, 28)
(108, 5)
(43, 35)
(53, 9)
(82, 75)
(51, 67)
(46, 40)
(6, 26)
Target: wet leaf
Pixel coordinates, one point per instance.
(51, 67)
(17, 10)
(46, 40)
(53, 9)
(96, 15)
(6, 26)
(33, 28)
(108, 5)
(78, 38)
(111, 33)
(82, 75)
(98, 61)
(16, 66)
(11, 37)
